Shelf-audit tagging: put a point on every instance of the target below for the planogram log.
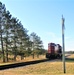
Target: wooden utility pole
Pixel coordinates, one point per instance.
(63, 44)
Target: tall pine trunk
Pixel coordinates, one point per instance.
(2, 42)
(33, 55)
(7, 46)
(2, 49)
(15, 51)
(6, 51)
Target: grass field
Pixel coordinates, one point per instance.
(45, 68)
(71, 56)
(30, 58)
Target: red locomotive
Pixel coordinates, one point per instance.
(54, 51)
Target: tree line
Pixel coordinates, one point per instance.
(14, 38)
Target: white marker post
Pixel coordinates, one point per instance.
(63, 46)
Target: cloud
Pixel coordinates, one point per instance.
(51, 34)
(69, 42)
(54, 38)
(51, 37)
(66, 38)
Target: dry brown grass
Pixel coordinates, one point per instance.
(30, 58)
(71, 56)
(46, 68)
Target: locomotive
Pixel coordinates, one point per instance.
(54, 51)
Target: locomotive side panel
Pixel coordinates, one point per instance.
(51, 48)
(54, 51)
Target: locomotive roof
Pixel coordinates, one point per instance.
(51, 44)
(54, 44)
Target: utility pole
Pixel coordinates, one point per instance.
(63, 44)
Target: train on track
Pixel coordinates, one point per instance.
(54, 51)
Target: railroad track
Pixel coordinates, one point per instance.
(8, 66)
